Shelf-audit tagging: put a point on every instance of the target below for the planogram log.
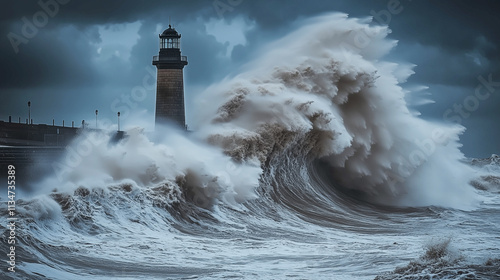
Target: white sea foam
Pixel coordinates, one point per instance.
(324, 93)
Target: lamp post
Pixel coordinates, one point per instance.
(118, 121)
(96, 112)
(29, 112)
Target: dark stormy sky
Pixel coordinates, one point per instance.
(77, 56)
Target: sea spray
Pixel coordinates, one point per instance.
(320, 97)
(312, 95)
(200, 171)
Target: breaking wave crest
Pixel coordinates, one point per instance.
(329, 96)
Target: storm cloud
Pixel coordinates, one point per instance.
(71, 57)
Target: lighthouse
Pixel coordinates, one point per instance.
(170, 80)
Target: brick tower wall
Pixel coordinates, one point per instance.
(170, 97)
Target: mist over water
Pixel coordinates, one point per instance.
(308, 162)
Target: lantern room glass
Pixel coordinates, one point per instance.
(170, 43)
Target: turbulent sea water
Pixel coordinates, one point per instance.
(309, 164)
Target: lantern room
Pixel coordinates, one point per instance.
(170, 39)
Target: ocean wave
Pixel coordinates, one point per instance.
(442, 261)
(325, 97)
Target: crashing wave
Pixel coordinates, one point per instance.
(328, 98)
(325, 96)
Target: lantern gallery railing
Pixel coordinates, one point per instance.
(163, 58)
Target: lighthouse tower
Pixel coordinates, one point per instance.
(169, 83)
